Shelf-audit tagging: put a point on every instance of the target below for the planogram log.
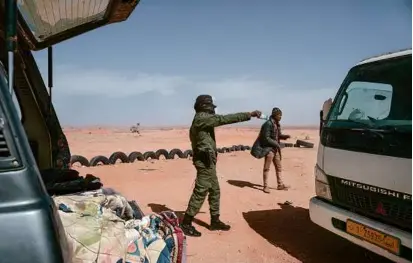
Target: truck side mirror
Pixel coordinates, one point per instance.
(321, 122)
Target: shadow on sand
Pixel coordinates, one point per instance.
(290, 229)
(157, 208)
(242, 184)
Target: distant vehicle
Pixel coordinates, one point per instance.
(363, 175)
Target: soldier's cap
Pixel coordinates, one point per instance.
(204, 99)
(276, 110)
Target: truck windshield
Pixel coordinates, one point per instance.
(372, 112)
(376, 96)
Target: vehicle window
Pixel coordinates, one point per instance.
(14, 97)
(364, 100)
(47, 18)
(376, 95)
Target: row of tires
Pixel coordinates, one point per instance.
(120, 157)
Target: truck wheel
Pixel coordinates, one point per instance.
(99, 160)
(79, 159)
(118, 156)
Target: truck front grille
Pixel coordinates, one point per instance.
(393, 209)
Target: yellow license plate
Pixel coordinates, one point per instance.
(373, 236)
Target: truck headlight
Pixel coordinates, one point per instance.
(322, 188)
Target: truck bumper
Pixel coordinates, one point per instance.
(324, 214)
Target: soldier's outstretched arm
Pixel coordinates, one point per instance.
(215, 120)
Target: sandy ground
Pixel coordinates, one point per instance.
(263, 230)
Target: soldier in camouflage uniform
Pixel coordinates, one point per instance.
(202, 138)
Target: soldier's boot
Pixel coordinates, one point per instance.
(188, 228)
(217, 224)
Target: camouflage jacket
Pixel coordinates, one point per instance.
(202, 134)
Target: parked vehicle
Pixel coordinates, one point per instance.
(363, 175)
(31, 139)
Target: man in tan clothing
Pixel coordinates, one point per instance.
(268, 145)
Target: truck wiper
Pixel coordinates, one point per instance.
(371, 131)
(369, 125)
(392, 129)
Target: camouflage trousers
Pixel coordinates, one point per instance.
(275, 158)
(206, 183)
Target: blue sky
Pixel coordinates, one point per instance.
(248, 55)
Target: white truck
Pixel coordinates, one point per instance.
(363, 175)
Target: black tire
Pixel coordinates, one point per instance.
(288, 144)
(225, 150)
(247, 148)
(79, 159)
(99, 159)
(296, 145)
(187, 154)
(174, 152)
(236, 148)
(241, 147)
(220, 150)
(305, 144)
(149, 154)
(232, 148)
(160, 152)
(118, 156)
(133, 156)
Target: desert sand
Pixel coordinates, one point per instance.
(263, 229)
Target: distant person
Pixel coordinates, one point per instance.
(204, 149)
(136, 128)
(268, 145)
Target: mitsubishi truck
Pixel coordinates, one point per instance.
(363, 175)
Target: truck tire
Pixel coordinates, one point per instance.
(247, 148)
(102, 160)
(174, 152)
(133, 156)
(118, 156)
(79, 159)
(160, 152)
(305, 144)
(149, 154)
